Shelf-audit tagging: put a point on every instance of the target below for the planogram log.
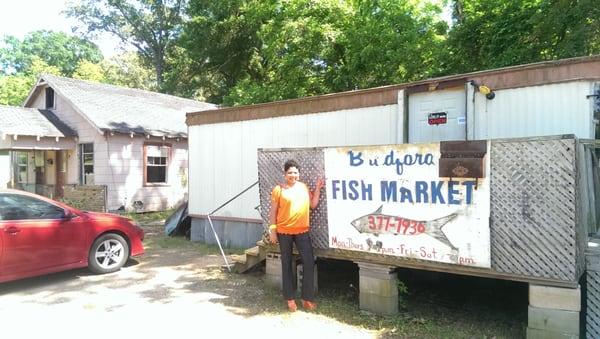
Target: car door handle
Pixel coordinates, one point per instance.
(12, 230)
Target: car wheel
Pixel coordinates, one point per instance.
(108, 254)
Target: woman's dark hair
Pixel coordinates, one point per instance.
(290, 163)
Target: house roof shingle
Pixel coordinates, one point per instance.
(32, 122)
(126, 110)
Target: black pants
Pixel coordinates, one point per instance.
(304, 246)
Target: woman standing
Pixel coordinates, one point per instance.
(289, 218)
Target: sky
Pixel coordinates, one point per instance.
(19, 17)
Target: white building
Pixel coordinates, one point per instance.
(548, 98)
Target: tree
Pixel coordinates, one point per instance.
(15, 88)
(299, 50)
(495, 34)
(128, 70)
(220, 45)
(256, 51)
(89, 71)
(389, 42)
(150, 26)
(54, 48)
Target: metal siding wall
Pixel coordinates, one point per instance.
(534, 111)
(223, 157)
(254, 134)
(227, 160)
(201, 171)
(372, 128)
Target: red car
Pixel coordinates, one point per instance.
(39, 236)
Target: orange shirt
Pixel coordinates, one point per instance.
(293, 210)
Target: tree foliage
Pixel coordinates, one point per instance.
(490, 34)
(15, 88)
(56, 49)
(129, 71)
(236, 52)
(148, 25)
(257, 51)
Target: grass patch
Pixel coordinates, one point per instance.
(149, 217)
(182, 243)
(434, 305)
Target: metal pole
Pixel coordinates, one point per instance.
(232, 199)
(219, 243)
(213, 227)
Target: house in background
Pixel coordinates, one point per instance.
(134, 142)
(34, 148)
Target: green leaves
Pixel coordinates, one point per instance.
(56, 49)
(497, 34)
(14, 89)
(269, 50)
(150, 26)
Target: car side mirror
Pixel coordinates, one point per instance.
(68, 215)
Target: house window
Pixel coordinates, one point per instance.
(156, 163)
(22, 167)
(86, 164)
(49, 98)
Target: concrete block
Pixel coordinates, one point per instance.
(378, 288)
(383, 287)
(378, 304)
(534, 333)
(556, 298)
(592, 259)
(553, 320)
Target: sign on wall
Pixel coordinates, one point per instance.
(391, 200)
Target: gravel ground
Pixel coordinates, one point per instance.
(167, 292)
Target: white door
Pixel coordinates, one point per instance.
(437, 116)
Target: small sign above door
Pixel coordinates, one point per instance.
(437, 118)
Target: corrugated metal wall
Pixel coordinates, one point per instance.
(534, 111)
(223, 157)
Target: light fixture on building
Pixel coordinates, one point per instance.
(485, 90)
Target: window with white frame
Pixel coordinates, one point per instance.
(22, 168)
(86, 164)
(156, 163)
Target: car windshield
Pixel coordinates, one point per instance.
(20, 207)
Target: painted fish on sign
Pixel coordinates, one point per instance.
(378, 223)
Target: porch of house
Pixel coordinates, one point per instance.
(40, 171)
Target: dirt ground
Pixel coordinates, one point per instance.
(167, 292)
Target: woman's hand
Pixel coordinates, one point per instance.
(320, 183)
(316, 194)
(273, 236)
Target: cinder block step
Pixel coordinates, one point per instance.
(251, 257)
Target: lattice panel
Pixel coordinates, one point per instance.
(533, 205)
(593, 305)
(533, 208)
(312, 166)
